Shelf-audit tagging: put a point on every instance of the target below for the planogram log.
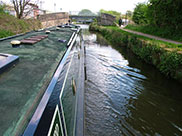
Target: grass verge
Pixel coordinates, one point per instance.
(9, 25)
(161, 32)
(5, 33)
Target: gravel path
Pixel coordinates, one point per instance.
(151, 36)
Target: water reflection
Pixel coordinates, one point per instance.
(125, 96)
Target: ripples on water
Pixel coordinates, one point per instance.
(121, 99)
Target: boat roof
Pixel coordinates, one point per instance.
(23, 84)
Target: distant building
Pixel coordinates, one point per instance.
(34, 11)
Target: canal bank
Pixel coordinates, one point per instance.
(164, 56)
(125, 96)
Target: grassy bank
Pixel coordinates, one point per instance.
(161, 32)
(165, 56)
(9, 25)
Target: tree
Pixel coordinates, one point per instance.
(22, 7)
(140, 14)
(112, 12)
(165, 13)
(86, 12)
(129, 14)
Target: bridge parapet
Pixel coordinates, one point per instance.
(106, 19)
(53, 19)
(83, 19)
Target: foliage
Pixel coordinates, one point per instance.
(165, 13)
(170, 62)
(114, 13)
(139, 14)
(5, 33)
(86, 12)
(95, 27)
(157, 31)
(11, 25)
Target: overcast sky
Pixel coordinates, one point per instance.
(93, 5)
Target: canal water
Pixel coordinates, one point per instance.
(125, 96)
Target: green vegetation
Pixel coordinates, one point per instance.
(165, 56)
(165, 13)
(116, 29)
(157, 31)
(160, 13)
(5, 33)
(168, 45)
(139, 14)
(86, 12)
(171, 63)
(9, 25)
(160, 18)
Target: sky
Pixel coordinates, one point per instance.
(93, 5)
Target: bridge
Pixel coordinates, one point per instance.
(82, 19)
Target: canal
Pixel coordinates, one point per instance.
(125, 96)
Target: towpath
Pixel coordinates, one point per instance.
(150, 36)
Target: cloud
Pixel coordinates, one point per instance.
(94, 5)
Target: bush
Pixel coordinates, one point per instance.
(168, 33)
(140, 14)
(5, 33)
(170, 62)
(11, 25)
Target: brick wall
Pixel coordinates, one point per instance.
(106, 19)
(53, 19)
